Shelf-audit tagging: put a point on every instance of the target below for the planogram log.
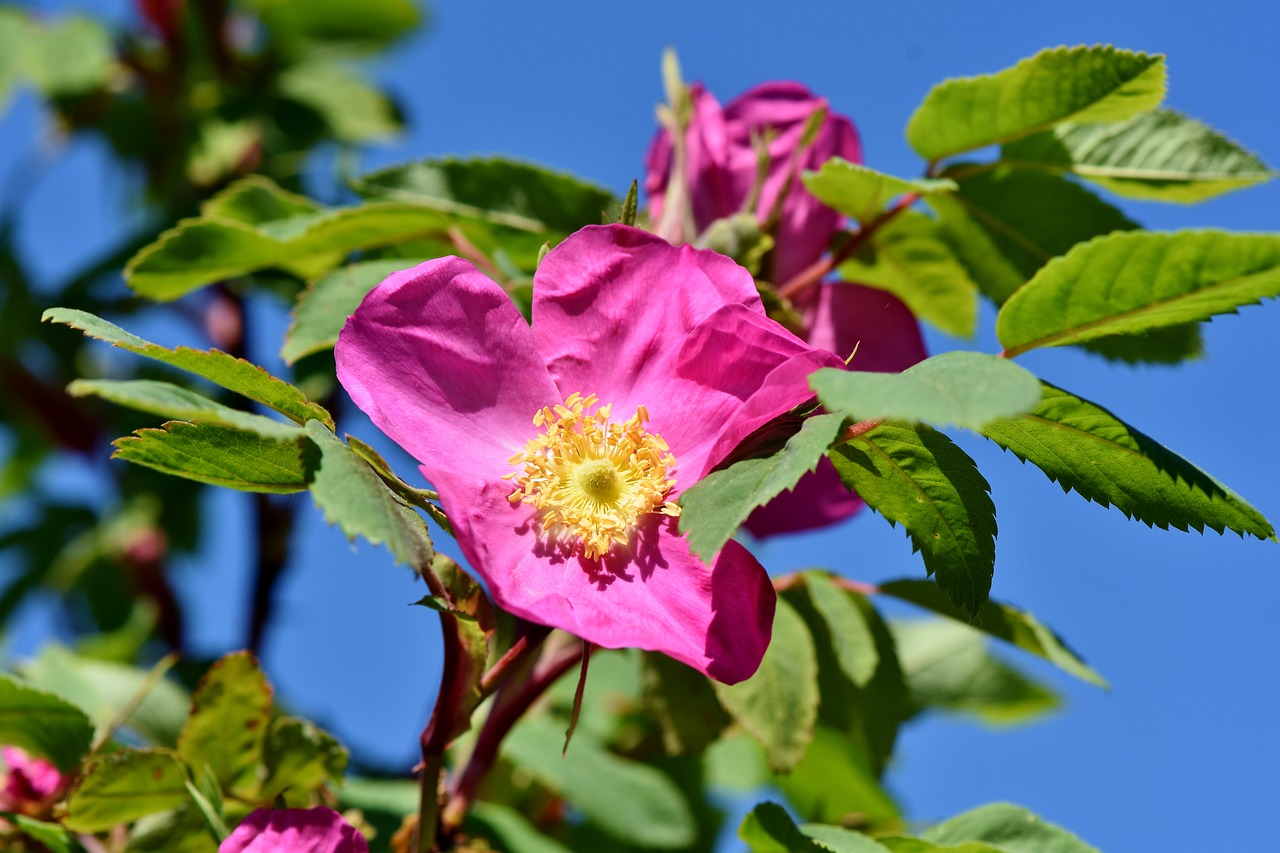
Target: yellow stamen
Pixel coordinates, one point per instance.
(592, 480)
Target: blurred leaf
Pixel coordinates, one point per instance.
(220, 149)
(323, 308)
(230, 710)
(910, 844)
(15, 36)
(596, 782)
(1081, 84)
(1161, 155)
(967, 389)
(1132, 282)
(511, 830)
(947, 666)
(713, 508)
(851, 637)
(909, 258)
(1082, 446)
(1005, 224)
(778, 706)
(173, 401)
(183, 830)
(861, 192)
(218, 456)
(69, 56)
(234, 374)
(301, 756)
(736, 763)
(1010, 828)
(353, 497)
(768, 828)
(683, 703)
(835, 783)
(50, 836)
(518, 195)
(837, 839)
(43, 724)
(352, 109)
(256, 200)
(121, 787)
(1008, 623)
(919, 478)
(336, 26)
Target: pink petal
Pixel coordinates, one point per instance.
(30, 779)
(317, 830)
(444, 364)
(661, 597)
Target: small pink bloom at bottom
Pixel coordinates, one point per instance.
(318, 830)
(30, 780)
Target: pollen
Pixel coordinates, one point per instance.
(593, 479)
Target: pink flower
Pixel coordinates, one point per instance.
(721, 171)
(318, 830)
(559, 450)
(885, 337)
(31, 782)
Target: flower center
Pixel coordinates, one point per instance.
(591, 479)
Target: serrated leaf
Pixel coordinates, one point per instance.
(1161, 155)
(234, 374)
(920, 479)
(948, 666)
(966, 389)
(353, 497)
(683, 703)
(1135, 282)
(1010, 828)
(173, 401)
(353, 109)
(121, 787)
(909, 258)
(323, 308)
(517, 195)
(230, 710)
(778, 706)
(43, 724)
(1008, 623)
(218, 456)
(1005, 224)
(713, 508)
(861, 192)
(851, 637)
(299, 755)
(1080, 84)
(835, 783)
(1084, 447)
(596, 781)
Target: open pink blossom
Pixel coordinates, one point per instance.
(722, 169)
(30, 782)
(317, 830)
(559, 450)
(884, 337)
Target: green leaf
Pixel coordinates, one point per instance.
(1005, 224)
(45, 725)
(52, 836)
(511, 830)
(506, 192)
(183, 830)
(438, 604)
(234, 374)
(218, 456)
(15, 37)
(336, 27)
(1010, 828)
(713, 508)
(121, 787)
(1082, 446)
(173, 401)
(837, 839)
(596, 781)
(948, 666)
(1081, 84)
(683, 703)
(301, 757)
(919, 478)
(257, 200)
(910, 258)
(71, 56)
(353, 497)
(835, 783)
(778, 706)
(323, 308)
(1161, 155)
(861, 192)
(1133, 282)
(851, 637)
(769, 829)
(966, 389)
(230, 710)
(910, 844)
(352, 109)
(1014, 626)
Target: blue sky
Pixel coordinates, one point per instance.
(1182, 753)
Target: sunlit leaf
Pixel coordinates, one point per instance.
(299, 755)
(1009, 828)
(230, 710)
(121, 787)
(861, 192)
(218, 456)
(173, 401)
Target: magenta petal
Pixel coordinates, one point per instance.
(844, 316)
(30, 779)
(318, 830)
(444, 364)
